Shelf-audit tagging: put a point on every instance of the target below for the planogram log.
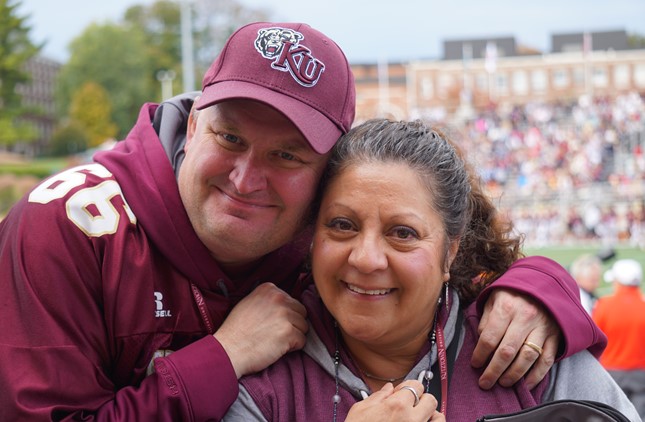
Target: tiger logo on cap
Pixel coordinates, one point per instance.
(270, 41)
(282, 45)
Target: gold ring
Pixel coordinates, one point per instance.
(534, 346)
(413, 391)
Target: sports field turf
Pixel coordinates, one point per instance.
(566, 254)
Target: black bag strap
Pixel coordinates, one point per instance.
(562, 411)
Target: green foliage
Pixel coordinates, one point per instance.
(124, 58)
(92, 110)
(70, 138)
(38, 169)
(636, 41)
(116, 58)
(13, 129)
(15, 50)
(17, 177)
(214, 22)
(161, 27)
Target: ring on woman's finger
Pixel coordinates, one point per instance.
(413, 391)
(534, 346)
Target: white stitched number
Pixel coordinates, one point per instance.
(90, 209)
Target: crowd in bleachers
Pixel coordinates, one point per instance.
(565, 172)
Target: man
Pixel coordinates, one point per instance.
(143, 285)
(621, 316)
(586, 270)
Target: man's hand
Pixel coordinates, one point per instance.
(510, 320)
(396, 404)
(261, 328)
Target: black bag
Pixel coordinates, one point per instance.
(562, 411)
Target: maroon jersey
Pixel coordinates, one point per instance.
(98, 267)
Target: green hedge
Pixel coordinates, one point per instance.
(37, 168)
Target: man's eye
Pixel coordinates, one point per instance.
(287, 156)
(231, 138)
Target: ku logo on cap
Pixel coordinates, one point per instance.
(282, 45)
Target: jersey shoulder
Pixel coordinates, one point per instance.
(86, 196)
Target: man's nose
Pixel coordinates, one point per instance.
(248, 175)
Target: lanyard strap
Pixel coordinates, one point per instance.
(438, 386)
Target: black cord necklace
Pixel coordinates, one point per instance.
(427, 375)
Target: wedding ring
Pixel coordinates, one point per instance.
(413, 391)
(534, 346)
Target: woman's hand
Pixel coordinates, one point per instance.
(405, 402)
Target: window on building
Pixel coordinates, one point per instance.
(502, 84)
(639, 75)
(579, 76)
(444, 85)
(560, 78)
(599, 77)
(427, 88)
(520, 82)
(481, 81)
(621, 76)
(539, 80)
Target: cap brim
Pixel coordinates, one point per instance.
(320, 132)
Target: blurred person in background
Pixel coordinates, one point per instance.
(586, 270)
(621, 316)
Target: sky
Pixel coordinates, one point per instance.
(373, 30)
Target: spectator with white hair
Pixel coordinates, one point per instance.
(586, 270)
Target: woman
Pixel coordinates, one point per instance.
(402, 229)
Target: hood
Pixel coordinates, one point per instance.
(145, 165)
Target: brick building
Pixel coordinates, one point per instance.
(474, 73)
(38, 95)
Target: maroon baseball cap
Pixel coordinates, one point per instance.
(291, 67)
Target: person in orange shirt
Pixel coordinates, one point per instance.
(621, 316)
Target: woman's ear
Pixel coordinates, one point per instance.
(452, 253)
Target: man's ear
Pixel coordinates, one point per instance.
(192, 123)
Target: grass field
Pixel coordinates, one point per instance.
(566, 254)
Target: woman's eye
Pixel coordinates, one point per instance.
(340, 224)
(404, 233)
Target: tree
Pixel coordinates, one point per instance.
(15, 50)
(69, 138)
(91, 109)
(215, 21)
(161, 27)
(124, 58)
(636, 41)
(116, 58)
